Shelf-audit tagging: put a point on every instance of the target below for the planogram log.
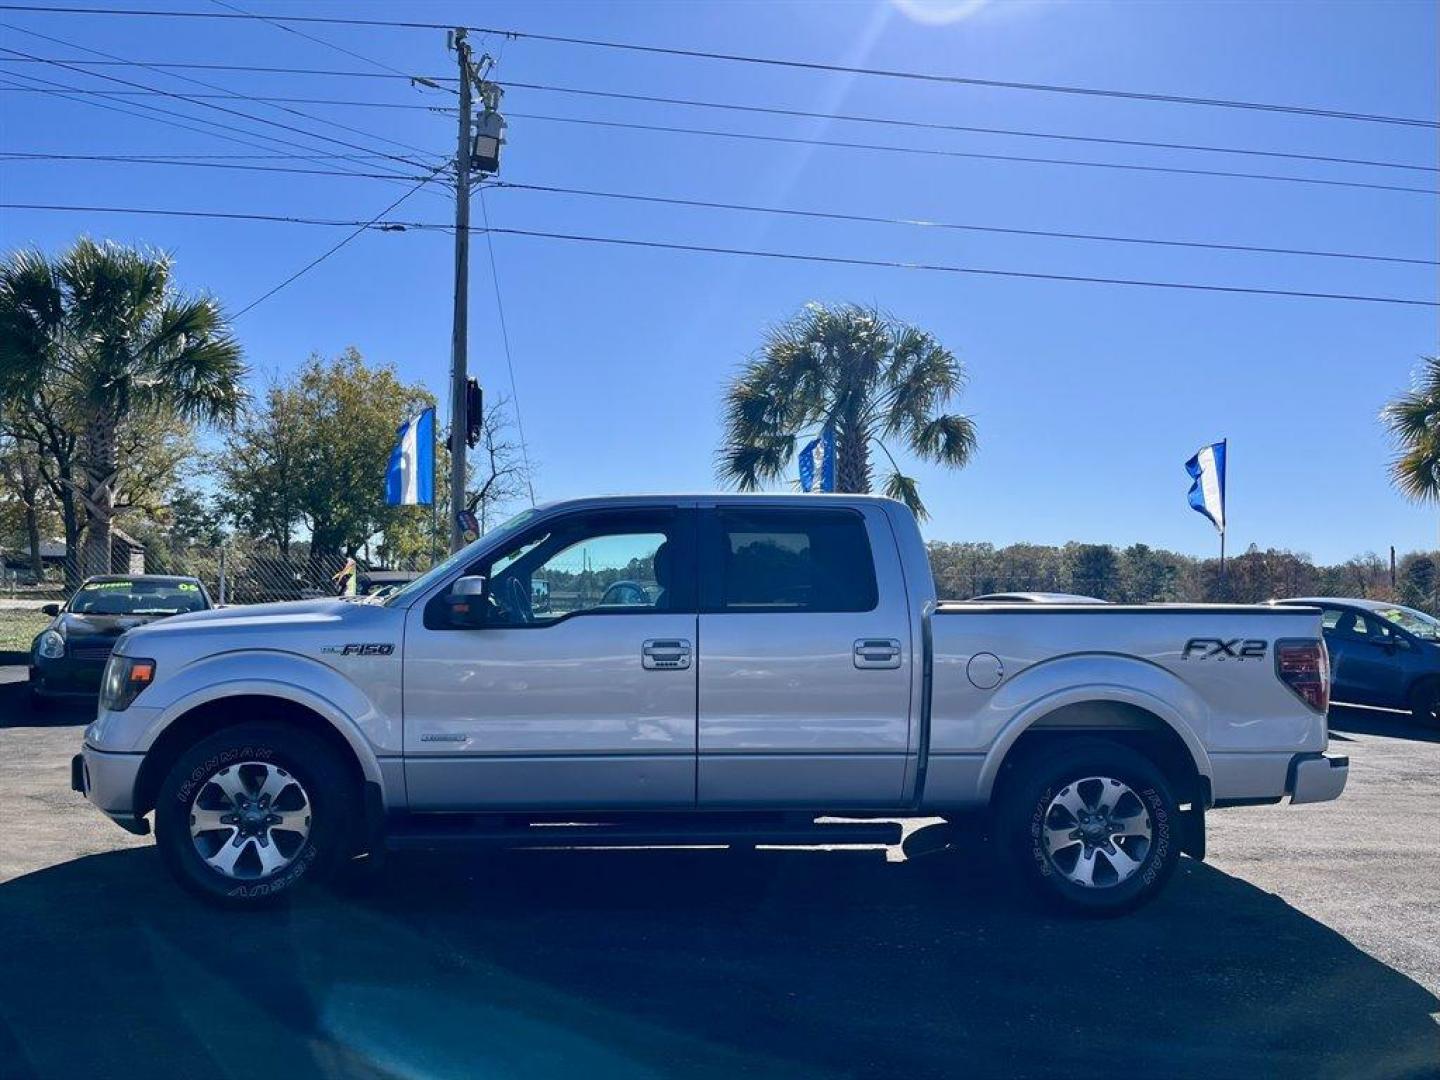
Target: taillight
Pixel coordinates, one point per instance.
(1304, 666)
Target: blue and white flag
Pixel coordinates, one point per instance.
(1207, 493)
(817, 463)
(410, 479)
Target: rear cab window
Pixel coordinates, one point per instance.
(789, 560)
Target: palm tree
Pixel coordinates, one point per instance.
(858, 373)
(104, 327)
(1413, 420)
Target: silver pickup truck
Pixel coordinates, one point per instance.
(703, 670)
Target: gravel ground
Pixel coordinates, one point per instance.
(1308, 945)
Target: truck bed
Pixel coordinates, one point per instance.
(1205, 672)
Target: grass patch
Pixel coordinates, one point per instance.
(18, 629)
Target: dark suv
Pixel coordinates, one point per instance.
(1381, 654)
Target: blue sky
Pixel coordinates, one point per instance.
(1088, 398)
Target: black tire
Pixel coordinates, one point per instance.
(327, 805)
(1425, 703)
(1050, 774)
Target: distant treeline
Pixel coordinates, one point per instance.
(1141, 574)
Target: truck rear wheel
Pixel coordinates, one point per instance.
(249, 813)
(1090, 825)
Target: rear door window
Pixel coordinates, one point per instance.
(784, 560)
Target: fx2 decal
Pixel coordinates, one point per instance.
(368, 648)
(1205, 648)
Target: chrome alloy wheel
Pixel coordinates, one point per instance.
(1096, 832)
(250, 820)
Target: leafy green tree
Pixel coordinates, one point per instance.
(34, 418)
(1094, 569)
(261, 469)
(314, 453)
(1413, 420)
(1418, 578)
(26, 510)
(105, 329)
(859, 373)
(194, 519)
(1147, 575)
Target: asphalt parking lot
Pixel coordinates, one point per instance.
(1307, 946)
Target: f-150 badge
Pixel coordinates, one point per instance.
(367, 648)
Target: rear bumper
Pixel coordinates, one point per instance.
(1317, 777)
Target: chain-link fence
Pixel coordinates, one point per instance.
(238, 571)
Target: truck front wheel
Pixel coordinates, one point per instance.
(249, 813)
(1091, 825)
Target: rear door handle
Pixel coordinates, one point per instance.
(665, 654)
(877, 653)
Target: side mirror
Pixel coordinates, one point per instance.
(466, 600)
(50, 609)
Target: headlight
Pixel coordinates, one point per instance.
(125, 677)
(51, 645)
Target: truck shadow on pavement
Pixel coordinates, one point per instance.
(18, 710)
(685, 963)
(1346, 719)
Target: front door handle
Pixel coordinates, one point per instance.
(665, 654)
(877, 653)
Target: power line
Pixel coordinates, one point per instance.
(756, 253)
(252, 68)
(117, 159)
(961, 128)
(322, 257)
(146, 156)
(291, 100)
(212, 105)
(765, 61)
(64, 92)
(968, 154)
(274, 140)
(505, 339)
(217, 214)
(186, 160)
(209, 161)
(311, 37)
(766, 110)
(65, 88)
(214, 86)
(876, 220)
(941, 268)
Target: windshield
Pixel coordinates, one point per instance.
(1416, 622)
(137, 598)
(454, 562)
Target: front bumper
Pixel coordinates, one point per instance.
(1317, 777)
(66, 677)
(108, 780)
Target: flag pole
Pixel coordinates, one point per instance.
(1224, 511)
(434, 491)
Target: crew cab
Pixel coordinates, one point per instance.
(789, 678)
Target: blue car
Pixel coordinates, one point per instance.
(1381, 654)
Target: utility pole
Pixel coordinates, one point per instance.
(459, 356)
(478, 151)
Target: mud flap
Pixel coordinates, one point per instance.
(1192, 832)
